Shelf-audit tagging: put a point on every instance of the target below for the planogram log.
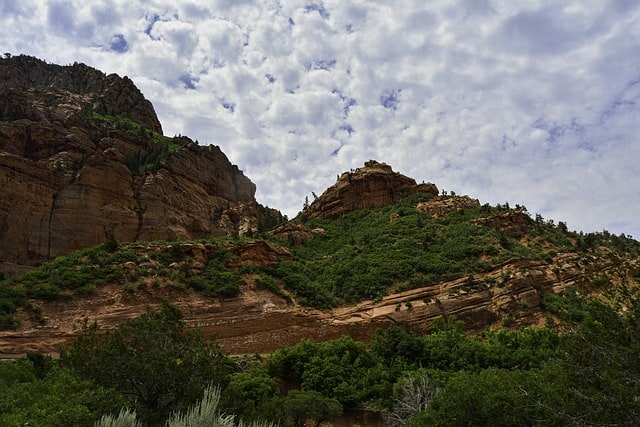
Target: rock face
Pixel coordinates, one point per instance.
(82, 157)
(293, 233)
(514, 223)
(441, 206)
(374, 185)
(65, 94)
(259, 321)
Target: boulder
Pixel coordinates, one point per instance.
(513, 223)
(294, 233)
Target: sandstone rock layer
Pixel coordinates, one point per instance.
(258, 321)
(371, 186)
(82, 158)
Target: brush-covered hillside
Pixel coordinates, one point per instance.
(142, 284)
(408, 260)
(420, 309)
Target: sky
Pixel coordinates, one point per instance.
(529, 102)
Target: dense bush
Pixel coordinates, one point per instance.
(592, 377)
(343, 369)
(152, 360)
(216, 280)
(58, 399)
(253, 395)
(586, 375)
(364, 255)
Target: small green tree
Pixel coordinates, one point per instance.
(300, 406)
(59, 399)
(152, 360)
(252, 395)
(111, 245)
(397, 345)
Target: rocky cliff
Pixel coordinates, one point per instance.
(82, 158)
(266, 314)
(373, 185)
(260, 321)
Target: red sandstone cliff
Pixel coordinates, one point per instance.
(82, 157)
(373, 185)
(69, 178)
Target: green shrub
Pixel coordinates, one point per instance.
(153, 360)
(8, 316)
(268, 282)
(168, 257)
(59, 399)
(216, 280)
(124, 255)
(569, 306)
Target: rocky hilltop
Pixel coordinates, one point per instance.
(83, 158)
(428, 255)
(374, 185)
(84, 164)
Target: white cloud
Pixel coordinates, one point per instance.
(531, 102)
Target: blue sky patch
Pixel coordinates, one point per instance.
(188, 81)
(118, 44)
(229, 106)
(320, 64)
(390, 99)
(317, 7)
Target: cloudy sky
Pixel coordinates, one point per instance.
(530, 102)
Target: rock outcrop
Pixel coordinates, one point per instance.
(374, 185)
(82, 157)
(34, 90)
(513, 223)
(443, 205)
(292, 232)
(259, 321)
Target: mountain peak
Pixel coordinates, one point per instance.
(34, 89)
(371, 186)
(83, 158)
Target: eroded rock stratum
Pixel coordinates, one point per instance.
(83, 158)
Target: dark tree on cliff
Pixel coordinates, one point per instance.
(152, 360)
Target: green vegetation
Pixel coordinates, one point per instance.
(73, 275)
(364, 255)
(152, 371)
(361, 255)
(591, 379)
(579, 369)
(215, 280)
(81, 273)
(148, 158)
(153, 361)
(59, 398)
(133, 128)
